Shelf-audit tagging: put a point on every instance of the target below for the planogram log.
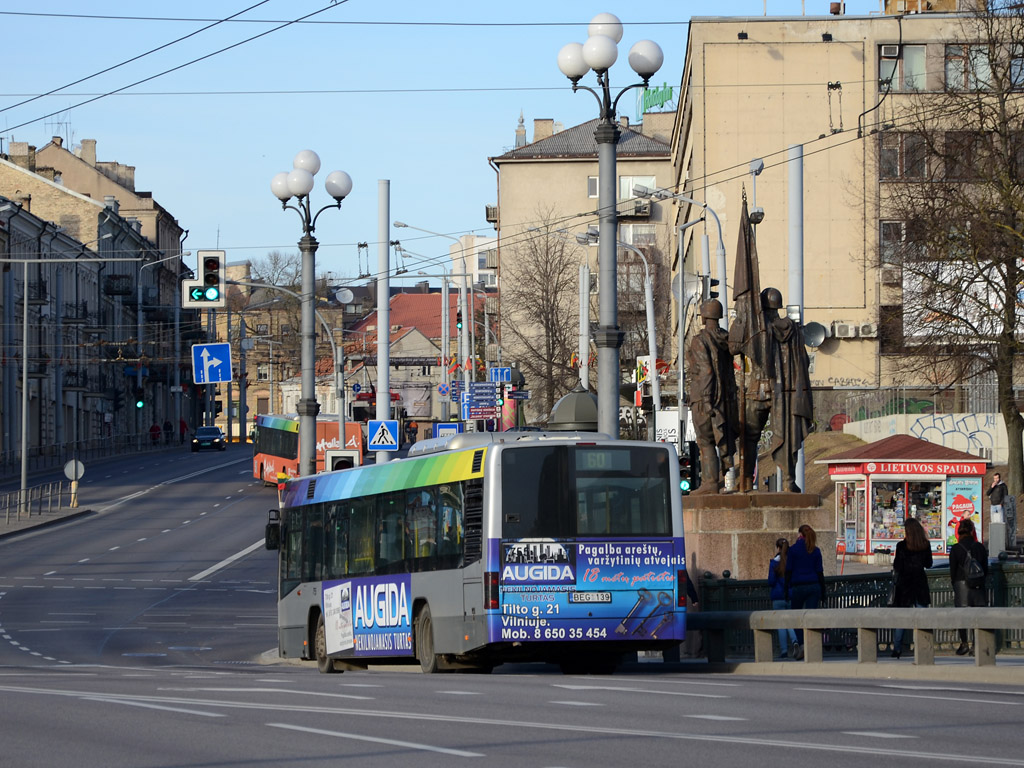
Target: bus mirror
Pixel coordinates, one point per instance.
(272, 539)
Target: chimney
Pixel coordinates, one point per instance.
(623, 121)
(57, 141)
(88, 153)
(543, 128)
(111, 202)
(23, 155)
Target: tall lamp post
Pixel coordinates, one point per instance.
(298, 183)
(575, 60)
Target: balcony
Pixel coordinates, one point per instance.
(38, 369)
(634, 209)
(119, 285)
(75, 314)
(76, 381)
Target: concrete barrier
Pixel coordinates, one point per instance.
(983, 623)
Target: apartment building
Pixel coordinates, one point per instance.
(547, 192)
(755, 88)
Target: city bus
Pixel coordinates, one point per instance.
(275, 453)
(484, 548)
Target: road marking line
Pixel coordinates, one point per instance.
(914, 696)
(578, 703)
(374, 740)
(715, 717)
(639, 690)
(152, 706)
(880, 735)
(226, 562)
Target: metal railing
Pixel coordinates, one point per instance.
(1005, 587)
(40, 500)
(891, 401)
(53, 457)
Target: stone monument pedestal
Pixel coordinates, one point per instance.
(736, 532)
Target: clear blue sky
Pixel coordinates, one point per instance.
(417, 93)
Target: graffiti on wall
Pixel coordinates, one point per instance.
(968, 432)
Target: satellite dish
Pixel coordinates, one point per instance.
(343, 296)
(814, 334)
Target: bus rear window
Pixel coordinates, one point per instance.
(568, 491)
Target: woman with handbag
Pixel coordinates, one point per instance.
(913, 556)
(965, 557)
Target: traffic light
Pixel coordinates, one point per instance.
(118, 399)
(693, 450)
(458, 319)
(708, 284)
(140, 400)
(499, 396)
(207, 290)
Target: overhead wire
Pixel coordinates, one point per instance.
(132, 59)
(333, 4)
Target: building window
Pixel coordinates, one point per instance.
(905, 73)
(638, 234)
(262, 329)
(626, 184)
(968, 68)
(1017, 67)
(902, 156)
(963, 152)
(890, 241)
(285, 329)
(592, 187)
(263, 372)
(890, 329)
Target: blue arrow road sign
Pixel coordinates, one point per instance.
(499, 375)
(211, 363)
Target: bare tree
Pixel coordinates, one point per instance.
(541, 311)
(952, 202)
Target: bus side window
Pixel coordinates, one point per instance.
(313, 553)
(362, 536)
(336, 540)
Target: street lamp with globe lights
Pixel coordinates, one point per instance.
(575, 60)
(298, 183)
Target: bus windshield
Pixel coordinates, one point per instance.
(565, 491)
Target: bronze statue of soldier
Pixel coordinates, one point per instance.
(713, 403)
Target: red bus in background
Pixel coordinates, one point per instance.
(276, 446)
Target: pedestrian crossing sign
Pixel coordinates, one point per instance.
(383, 435)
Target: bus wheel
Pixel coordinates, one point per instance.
(425, 642)
(323, 663)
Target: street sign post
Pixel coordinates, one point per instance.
(499, 375)
(383, 435)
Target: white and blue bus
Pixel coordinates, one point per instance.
(483, 548)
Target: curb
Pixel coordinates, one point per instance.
(44, 524)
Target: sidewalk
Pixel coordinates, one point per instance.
(12, 525)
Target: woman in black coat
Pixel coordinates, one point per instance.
(913, 556)
(965, 595)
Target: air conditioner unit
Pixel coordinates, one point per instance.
(985, 453)
(890, 51)
(889, 275)
(843, 330)
(868, 330)
(641, 207)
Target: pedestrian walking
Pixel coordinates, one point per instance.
(777, 584)
(168, 431)
(968, 569)
(996, 498)
(154, 433)
(805, 578)
(913, 556)
(182, 429)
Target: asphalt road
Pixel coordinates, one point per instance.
(135, 636)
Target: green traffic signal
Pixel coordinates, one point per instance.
(684, 485)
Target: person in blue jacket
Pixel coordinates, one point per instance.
(777, 583)
(805, 577)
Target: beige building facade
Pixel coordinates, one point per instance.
(755, 88)
(550, 185)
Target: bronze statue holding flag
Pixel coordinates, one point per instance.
(774, 378)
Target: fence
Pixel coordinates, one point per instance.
(1005, 586)
(41, 500)
(52, 457)
(890, 401)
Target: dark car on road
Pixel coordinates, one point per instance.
(209, 437)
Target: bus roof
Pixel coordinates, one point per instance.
(463, 440)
